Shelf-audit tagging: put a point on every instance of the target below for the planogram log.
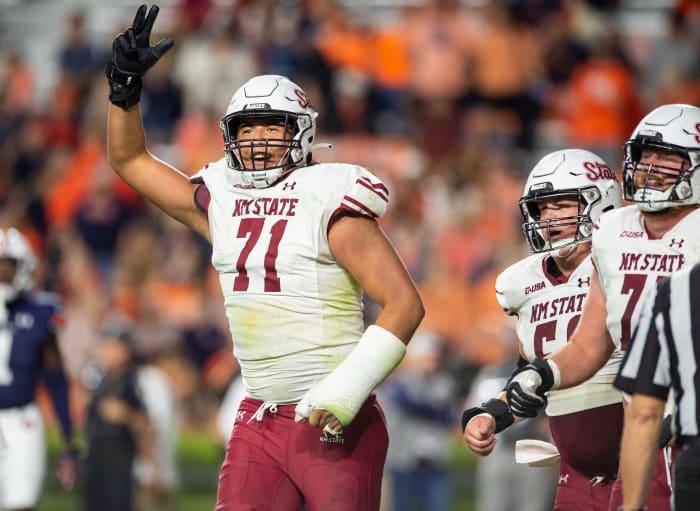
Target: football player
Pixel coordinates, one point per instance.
(295, 243)
(565, 194)
(29, 354)
(633, 247)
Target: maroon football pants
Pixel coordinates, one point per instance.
(580, 492)
(589, 443)
(273, 463)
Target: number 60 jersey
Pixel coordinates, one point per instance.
(293, 311)
(629, 263)
(548, 308)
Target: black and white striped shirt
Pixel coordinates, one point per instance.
(665, 349)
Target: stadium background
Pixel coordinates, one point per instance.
(449, 102)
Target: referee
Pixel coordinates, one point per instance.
(664, 355)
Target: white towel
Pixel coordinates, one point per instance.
(536, 453)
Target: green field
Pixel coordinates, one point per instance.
(199, 459)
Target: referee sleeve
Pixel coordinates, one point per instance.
(645, 367)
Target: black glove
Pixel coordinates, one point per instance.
(132, 56)
(526, 388)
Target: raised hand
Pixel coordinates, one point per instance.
(132, 52)
(132, 56)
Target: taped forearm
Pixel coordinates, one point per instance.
(347, 387)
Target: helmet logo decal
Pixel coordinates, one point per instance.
(302, 98)
(697, 128)
(573, 187)
(598, 170)
(257, 106)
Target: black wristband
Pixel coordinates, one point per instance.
(495, 407)
(124, 89)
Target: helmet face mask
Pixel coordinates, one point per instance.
(578, 177)
(269, 100)
(662, 158)
(542, 234)
(14, 247)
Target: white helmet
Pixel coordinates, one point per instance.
(673, 128)
(575, 173)
(268, 96)
(14, 246)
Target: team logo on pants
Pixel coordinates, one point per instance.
(331, 439)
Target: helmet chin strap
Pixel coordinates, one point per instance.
(564, 252)
(651, 200)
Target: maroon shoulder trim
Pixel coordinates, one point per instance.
(340, 213)
(202, 197)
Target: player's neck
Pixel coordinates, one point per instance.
(570, 262)
(660, 222)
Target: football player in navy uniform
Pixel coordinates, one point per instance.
(29, 354)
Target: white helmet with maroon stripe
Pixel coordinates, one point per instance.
(572, 173)
(270, 97)
(14, 246)
(670, 129)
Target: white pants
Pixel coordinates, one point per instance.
(22, 457)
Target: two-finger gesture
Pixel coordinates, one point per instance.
(132, 52)
(132, 56)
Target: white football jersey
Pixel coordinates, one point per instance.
(629, 263)
(547, 311)
(293, 311)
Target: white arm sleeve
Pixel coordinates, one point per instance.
(349, 385)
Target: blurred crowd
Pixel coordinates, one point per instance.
(449, 102)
